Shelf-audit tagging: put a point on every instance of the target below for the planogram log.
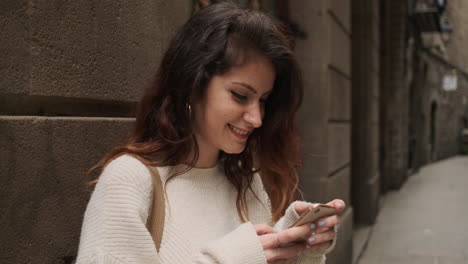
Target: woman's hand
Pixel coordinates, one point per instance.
(323, 231)
(271, 241)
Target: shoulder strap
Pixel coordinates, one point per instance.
(156, 215)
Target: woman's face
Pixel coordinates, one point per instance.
(233, 106)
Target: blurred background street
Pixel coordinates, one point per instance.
(426, 221)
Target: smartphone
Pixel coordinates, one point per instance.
(314, 213)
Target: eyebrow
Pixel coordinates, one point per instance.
(249, 87)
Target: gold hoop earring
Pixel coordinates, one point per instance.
(189, 109)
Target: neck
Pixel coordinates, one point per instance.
(207, 156)
(207, 160)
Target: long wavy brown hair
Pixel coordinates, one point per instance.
(214, 40)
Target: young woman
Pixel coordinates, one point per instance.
(218, 124)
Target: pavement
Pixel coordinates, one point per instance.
(426, 221)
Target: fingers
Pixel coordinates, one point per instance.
(294, 234)
(272, 240)
(338, 204)
(269, 240)
(319, 247)
(319, 238)
(326, 223)
(276, 254)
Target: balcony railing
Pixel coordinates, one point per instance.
(426, 15)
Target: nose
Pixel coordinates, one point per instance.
(254, 116)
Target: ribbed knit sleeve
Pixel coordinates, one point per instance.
(114, 226)
(309, 256)
(240, 246)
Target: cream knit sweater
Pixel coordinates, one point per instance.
(201, 222)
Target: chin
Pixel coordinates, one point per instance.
(234, 150)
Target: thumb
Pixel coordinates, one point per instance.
(301, 207)
(338, 204)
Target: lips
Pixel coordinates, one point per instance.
(240, 133)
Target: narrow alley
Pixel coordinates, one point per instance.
(426, 221)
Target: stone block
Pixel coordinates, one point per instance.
(315, 189)
(339, 96)
(375, 84)
(318, 187)
(375, 159)
(375, 59)
(339, 186)
(366, 199)
(339, 145)
(32, 105)
(313, 113)
(375, 28)
(315, 166)
(312, 20)
(316, 88)
(340, 46)
(97, 50)
(323, 190)
(342, 10)
(374, 110)
(366, 29)
(15, 53)
(343, 252)
(374, 137)
(313, 137)
(44, 161)
(372, 152)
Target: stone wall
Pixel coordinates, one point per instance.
(437, 114)
(325, 117)
(70, 75)
(455, 48)
(445, 125)
(366, 102)
(456, 102)
(394, 85)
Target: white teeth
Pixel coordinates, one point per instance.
(238, 131)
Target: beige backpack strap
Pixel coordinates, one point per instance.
(156, 215)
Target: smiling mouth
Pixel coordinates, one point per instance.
(241, 134)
